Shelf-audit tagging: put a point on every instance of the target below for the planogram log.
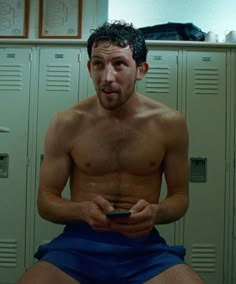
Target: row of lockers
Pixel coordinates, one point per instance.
(37, 82)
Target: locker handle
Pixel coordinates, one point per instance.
(4, 129)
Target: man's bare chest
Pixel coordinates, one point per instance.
(135, 149)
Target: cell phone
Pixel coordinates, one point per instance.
(118, 214)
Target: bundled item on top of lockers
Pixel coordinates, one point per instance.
(173, 31)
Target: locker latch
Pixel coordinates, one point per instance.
(198, 169)
(4, 161)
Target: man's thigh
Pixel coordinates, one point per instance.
(180, 273)
(45, 273)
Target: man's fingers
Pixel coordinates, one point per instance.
(139, 206)
(102, 203)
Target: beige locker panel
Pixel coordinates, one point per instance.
(161, 80)
(14, 111)
(58, 89)
(161, 84)
(206, 119)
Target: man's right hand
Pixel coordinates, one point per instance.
(95, 213)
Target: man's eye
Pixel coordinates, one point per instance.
(97, 63)
(119, 63)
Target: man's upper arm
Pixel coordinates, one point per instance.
(55, 167)
(176, 166)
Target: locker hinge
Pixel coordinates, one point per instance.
(27, 162)
(177, 59)
(30, 57)
(79, 57)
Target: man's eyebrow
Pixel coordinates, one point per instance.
(96, 57)
(119, 58)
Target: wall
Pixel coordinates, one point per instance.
(211, 15)
(94, 12)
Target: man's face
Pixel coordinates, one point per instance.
(114, 73)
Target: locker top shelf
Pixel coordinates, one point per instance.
(81, 42)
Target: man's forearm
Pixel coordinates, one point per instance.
(171, 209)
(60, 210)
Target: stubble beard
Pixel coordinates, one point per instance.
(113, 103)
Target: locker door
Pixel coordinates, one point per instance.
(14, 110)
(58, 89)
(161, 84)
(206, 119)
(161, 81)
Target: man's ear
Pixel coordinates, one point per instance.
(142, 70)
(89, 67)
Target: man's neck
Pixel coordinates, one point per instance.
(126, 110)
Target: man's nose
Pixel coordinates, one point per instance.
(108, 74)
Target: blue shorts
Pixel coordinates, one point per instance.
(109, 257)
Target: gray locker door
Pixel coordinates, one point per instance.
(14, 111)
(58, 89)
(161, 84)
(161, 81)
(206, 119)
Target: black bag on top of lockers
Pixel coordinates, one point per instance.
(173, 31)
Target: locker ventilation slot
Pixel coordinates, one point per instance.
(11, 77)
(8, 253)
(206, 81)
(204, 258)
(58, 78)
(157, 80)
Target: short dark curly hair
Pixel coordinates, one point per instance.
(123, 34)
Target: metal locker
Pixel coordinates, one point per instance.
(15, 74)
(206, 120)
(161, 80)
(59, 78)
(161, 84)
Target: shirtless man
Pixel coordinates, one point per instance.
(114, 147)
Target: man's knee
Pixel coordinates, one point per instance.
(180, 273)
(43, 272)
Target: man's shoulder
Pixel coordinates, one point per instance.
(77, 110)
(73, 116)
(160, 109)
(83, 106)
(165, 116)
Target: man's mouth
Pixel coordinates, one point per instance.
(108, 91)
